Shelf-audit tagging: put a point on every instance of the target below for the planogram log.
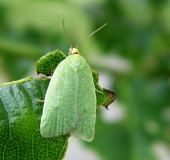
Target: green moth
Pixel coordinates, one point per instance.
(70, 100)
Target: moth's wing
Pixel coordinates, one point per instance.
(59, 112)
(86, 104)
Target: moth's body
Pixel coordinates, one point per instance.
(70, 101)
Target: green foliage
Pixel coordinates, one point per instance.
(48, 63)
(137, 31)
(21, 111)
(20, 114)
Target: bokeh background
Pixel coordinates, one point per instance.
(131, 54)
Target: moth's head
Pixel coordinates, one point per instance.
(73, 51)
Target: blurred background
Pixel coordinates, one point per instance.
(131, 54)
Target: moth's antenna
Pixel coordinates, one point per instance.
(67, 36)
(91, 34)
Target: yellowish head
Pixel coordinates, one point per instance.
(73, 51)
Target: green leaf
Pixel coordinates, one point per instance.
(20, 114)
(104, 97)
(48, 63)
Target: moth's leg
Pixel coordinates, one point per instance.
(41, 101)
(50, 76)
(98, 91)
